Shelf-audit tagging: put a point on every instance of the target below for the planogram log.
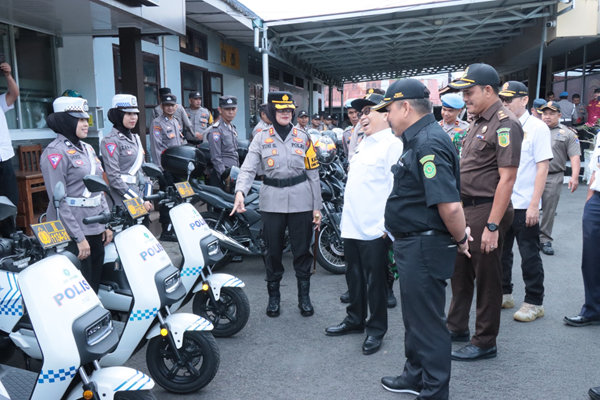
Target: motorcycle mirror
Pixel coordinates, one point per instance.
(7, 208)
(191, 168)
(152, 170)
(95, 183)
(230, 244)
(59, 194)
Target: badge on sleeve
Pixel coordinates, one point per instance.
(216, 137)
(428, 166)
(503, 137)
(54, 159)
(111, 147)
(157, 130)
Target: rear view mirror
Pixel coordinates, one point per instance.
(152, 170)
(95, 183)
(7, 208)
(59, 194)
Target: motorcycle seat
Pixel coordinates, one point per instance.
(219, 192)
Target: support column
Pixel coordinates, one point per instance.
(132, 75)
(265, 64)
(330, 99)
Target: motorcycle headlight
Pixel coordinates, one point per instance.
(213, 248)
(98, 330)
(172, 281)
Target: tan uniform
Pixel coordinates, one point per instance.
(200, 119)
(281, 160)
(164, 133)
(123, 158)
(64, 162)
(223, 144)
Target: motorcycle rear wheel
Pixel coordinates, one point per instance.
(330, 253)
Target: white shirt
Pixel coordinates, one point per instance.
(536, 147)
(6, 149)
(370, 181)
(594, 166)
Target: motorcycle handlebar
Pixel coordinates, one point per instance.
(103, 218)
(157, 196)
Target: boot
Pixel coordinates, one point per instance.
(391, 300)
(274, 298)
(306, 309)
(167, 235)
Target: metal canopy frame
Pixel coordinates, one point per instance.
(438, 37)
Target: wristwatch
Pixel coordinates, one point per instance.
(463, 241)
(491, 227)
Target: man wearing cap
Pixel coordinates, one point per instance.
(452, 106)
(535, 109)
(179, 113)
(263, 124)
(565, 146)
(335, 121)
(593, 108)
(357, 132)
(316, 122)
(536, 151)
(302, 121)
(580, 115)
(488, 169)
(424, 215)
(223, 141)
(347, 134)
(365, 245)
(200, 118)
(327, 124)
(567, 109)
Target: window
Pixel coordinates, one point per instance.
(300, 82)
(216, 90)
(273, 72)
(192, 80)
(288, 78)
(194, 43)
(254, 66)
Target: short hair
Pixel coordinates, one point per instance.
(550, 94)
(576, 96)
(421, 106)
(496, 89)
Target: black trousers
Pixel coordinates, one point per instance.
(528, 240)
(91, 267)
(163, 211)
(590, 266)
(424, 264)
(366, 276)
(8, 188)
(300, 228)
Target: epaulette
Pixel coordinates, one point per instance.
(216, 124)
(502, 115)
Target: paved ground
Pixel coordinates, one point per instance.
(291, 358)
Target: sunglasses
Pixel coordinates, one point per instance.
(285, 111)
(506, 100)
(366, 111)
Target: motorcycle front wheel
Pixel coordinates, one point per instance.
(229, 315)
(330, 251)
(199, 363)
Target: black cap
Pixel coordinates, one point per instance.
(195, 95)
(316, 116)
(477, 74)
(514, 89)
(335, 117)
(281, 100)
(404, 89)
(164, 90)
(168, 99)
(327, 116)
(302, 113)
(227, 101)
(551, 105)
(371, 99)
(375, 91)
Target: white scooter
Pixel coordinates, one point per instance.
(216, 297)
(182, 355)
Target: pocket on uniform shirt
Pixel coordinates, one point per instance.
(270, 158)
(480, 144)
(525, 147)
(297, 158)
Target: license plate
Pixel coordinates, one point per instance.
(50, 234)
(184, 189)
(135, 207)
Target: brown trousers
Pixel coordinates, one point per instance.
(485, 272)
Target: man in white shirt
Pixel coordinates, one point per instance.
(366, 246)
(8, 180)
(536, 153)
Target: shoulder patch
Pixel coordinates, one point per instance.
(111, 147)
(502, 115)
(216, 136)
(503, 137)
(68, 143)
(54, 159)
(429, 169)
(430, 157)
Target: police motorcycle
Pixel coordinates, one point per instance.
(142, 285)
(52, 314)
(219, 297)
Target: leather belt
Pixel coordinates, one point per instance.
(432, 232)
(281, 183)
(555, 172)
(84, 201)
(475, 201)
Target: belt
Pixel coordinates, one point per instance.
(555, 172)
(281, 183)
(475, 201)
(129, 179)
(432, 232)
(84, 201)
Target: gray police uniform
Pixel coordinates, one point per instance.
(200, 120)
(223, 143)
(123, 158)
(346, 136)
(180, 115)
(261, 126)
(567, 111)
(64, 162)
(300, 128)
(165, 133)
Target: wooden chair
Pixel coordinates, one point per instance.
(29, 181)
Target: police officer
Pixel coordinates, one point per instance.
(166, 132)
(488, 169)
(223, 141)
(200, 119)
(289, 197)
(264, 122)
(565, 145)
(335, 121)
(302, 121)
(179, 113)
(567, 109)
(122, 150)
(316, 122)
(424, 215)
(452, 106)
(327, 124)
(68, 159)
(580, 115)
(347, 134)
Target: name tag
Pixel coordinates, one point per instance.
(51, 234)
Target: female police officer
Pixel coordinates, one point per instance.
(122, 151)
(289, 197)
(68, 159)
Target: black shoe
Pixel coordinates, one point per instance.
(473, 353)
(391, 299)
(345, 298)
(547, 249)
(371, 345)
(274, 298)
(580, 321)
(398, 385)
(168, 236)
(344, 329)
(594, 393)
(460, 336)
(306, 308)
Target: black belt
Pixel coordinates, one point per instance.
(555, 172)
(432, 232)
(475, 201)
(281, 183)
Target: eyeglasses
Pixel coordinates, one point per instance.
(285, 111)
(366, 111)
(506, 100)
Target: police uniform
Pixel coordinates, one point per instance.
(166, 132)
(261, 126)
(565, 145)
(493, 141)
(200, 120)
(426, 175)
(290, 192)
(62, 161)
(223, 143)
(300, 127)
(346, 136)
(567, 109)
